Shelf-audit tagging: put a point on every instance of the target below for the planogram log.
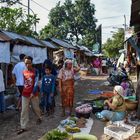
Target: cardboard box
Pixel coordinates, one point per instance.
(119, 130)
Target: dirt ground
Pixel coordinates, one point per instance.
(9, 121)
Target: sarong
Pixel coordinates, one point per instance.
(67, 95)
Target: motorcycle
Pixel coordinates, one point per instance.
(116, 77)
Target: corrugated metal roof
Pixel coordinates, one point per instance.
(3, 37)
(63, 43)
(14, 36)
(88, 53)
(33, 41)
(48, 44)
(83, 48)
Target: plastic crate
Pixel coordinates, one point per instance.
(119, 134)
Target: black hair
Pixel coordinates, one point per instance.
(48, 67)
(21, 56)
(29, 58)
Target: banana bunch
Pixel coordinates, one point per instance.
(72, 129)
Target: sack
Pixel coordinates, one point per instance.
(77, 76)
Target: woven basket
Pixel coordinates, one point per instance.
(131, 105)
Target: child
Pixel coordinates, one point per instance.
(47, 91)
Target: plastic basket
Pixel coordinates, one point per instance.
(120, 135)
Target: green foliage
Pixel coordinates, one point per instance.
(15, 20)
(112, 46)
(73, 21)
(10, 1)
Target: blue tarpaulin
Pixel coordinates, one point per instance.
(96, 91)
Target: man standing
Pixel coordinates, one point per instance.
(30, 93)
(18, 76)
(2, 89)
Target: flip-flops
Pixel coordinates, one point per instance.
(39, 121)
(21, 131)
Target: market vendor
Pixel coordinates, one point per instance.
(117, 106)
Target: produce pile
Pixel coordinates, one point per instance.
(98, 103)
(84, 109)
(71, 127)
(73, 124)
(56, 134)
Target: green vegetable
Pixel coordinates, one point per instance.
(56, 134)
(99, 103)
(73, 119)
(84, 137)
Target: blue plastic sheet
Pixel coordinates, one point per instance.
(95, 91)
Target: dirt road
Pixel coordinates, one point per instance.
(9, 122)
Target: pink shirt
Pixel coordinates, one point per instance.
(66, 74)
(96, 63)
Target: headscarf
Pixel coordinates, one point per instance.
(119, 90)
(67, 61)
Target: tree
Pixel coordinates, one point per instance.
(112, 46)
(74, 21)
(15, 20)
(10, 2)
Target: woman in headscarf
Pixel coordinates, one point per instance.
(66, 86)
(117, 106)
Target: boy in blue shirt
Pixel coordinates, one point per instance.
(47, 91)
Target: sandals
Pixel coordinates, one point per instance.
(21, 131)
(39, 121)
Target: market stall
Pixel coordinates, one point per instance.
(75, 127)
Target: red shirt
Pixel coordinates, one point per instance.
(29, 81)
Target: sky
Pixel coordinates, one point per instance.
(110, 13)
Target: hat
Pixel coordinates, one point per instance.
(119, 90)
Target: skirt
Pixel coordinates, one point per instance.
(67, 95)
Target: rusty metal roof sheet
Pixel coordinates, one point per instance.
(62, 43)
(13, 36)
